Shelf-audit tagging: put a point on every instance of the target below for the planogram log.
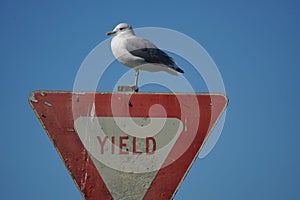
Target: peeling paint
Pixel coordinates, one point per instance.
(42, 93)
(84, 177)
(32, 98)
(92, 114)
(83, 93)
(70, 129)
(83, 181)
(47, 103)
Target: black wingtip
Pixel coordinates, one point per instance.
(179, 70)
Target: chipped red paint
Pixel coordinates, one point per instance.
(57, 113)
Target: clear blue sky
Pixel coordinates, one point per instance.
(255, 45)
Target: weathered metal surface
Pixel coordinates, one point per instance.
(70, 120)
(127, 88)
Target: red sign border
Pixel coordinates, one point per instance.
(83, 165)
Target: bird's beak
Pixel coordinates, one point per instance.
(111, 32)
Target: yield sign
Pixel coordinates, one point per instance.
(127, 146)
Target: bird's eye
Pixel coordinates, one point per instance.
(122, 29)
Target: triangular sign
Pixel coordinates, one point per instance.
(124, 145)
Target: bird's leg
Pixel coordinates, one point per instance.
(136, 89)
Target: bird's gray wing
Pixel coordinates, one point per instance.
(135, 43)
(150, 53)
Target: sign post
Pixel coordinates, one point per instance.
(127, 146)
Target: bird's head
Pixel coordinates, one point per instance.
(120, 29)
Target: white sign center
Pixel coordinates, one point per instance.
(137, 147)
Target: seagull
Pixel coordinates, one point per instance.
(139, 53)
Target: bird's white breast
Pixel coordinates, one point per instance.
(118, 47)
